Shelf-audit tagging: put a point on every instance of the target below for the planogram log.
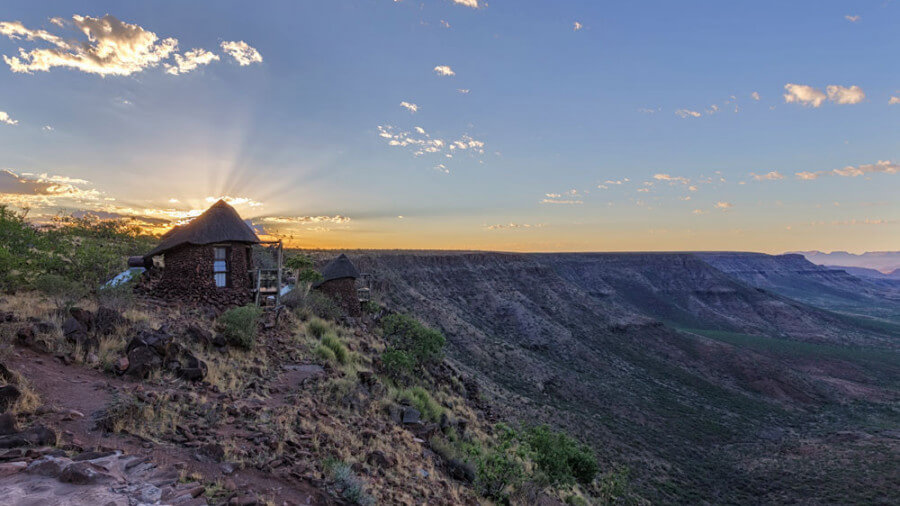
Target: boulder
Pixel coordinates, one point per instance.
(11, 468)
(219, 341)
(142, 360)
(9, 394)
(410, 415)
(8, 424)
(84, 317)
(35, 436)
(193, 369)
(107, 320)
(459, 470)
(25, 334)
(86, 473)
(121, 365)
(74, 331)
(48, 465)
(199, 335)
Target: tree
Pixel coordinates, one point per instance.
(303, 269)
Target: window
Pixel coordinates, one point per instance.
(220, 266)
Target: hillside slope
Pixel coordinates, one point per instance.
(588, 343)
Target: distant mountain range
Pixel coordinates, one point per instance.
(885, 262)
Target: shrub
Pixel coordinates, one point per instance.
(561, 458)
(119, 297)
(420, 399)
(497, 469)
(371, 307)
(324, 353)
(63, 292)
(404, 333)
(397, 364)
(239, 325)
(317, 328)
(348, 485)
(332, 342)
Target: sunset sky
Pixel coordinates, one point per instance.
(520, 125)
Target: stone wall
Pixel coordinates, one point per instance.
(344, 292)
(188, 276)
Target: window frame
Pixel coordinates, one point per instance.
(227, 260)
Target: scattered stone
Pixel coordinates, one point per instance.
(380, 459)
(9, 394)
(83, 316)
(91, 455)
(86, 473)
(122, 365)
(219, 341)
(142, 360)
(11, 468)
(211, 452)
(199, 335)
(107, 320)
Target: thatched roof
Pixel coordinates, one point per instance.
(219, 223)
(339, 268)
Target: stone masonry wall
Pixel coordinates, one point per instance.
(344, 292)
(188, 276)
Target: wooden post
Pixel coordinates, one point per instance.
(278, 284)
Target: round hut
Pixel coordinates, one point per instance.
(206, 260)
(339, 282)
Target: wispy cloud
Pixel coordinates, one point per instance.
(852, 18)
(769, 176)
(444, 70)
(5, 118)
(577, 26)
(804, 95)
(843, 95)
(113, 47)
(672, 179)
(755, 95)
(468, 3)
(190, 61)
(687, 113)
(894, 101)
(409, 106)
(724, 206)
(512, 226)
(464, 91)
(881, 166)
(571, 197)
(242, 52)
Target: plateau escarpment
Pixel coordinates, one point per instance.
(687, 374)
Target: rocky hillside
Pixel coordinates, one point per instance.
(701, 384)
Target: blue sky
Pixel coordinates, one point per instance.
(553, 117)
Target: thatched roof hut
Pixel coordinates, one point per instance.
(207, 259)
(339, 282)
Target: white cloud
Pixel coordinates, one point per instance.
(445, 24)
(698, 211)
(879, 167)
(113, 47)
(724, 205)
(843, 95)
(712, 109)
(468, 3)
(894, 101)
(4, 118)
(769, 176)
(803, 94)
(306, 220)
(571, 197)
(853, 19)
(512, 226)
(444, 70)
(413, 108)
(464, 91)
(242, 52)
(755, 95)
(47, 128)
(671, 179)
(687, 113)
(577, 26)
(190, 61)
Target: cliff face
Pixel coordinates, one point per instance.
(663, 361)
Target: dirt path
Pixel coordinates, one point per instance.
(72, 391)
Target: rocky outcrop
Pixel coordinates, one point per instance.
(151, 350)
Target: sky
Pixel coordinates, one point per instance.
(520, 125)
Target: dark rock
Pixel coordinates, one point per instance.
(91, 455)
(194, 369)
(43, 327)
(48, 465)
(9, 394)
(122, 365)
(410, 415)
(35, 436)
(199, 335)
(142, 361)
(159, 341)
(107, 320)
(395, 413)
(8, 317)
(380, 459)
(459, 470)
(86, 473)
(219, 341)
(6, 375)
(212, 452)
(8, 424)
(74, 331)
(85, 317)
(445, 421)
(26, 334)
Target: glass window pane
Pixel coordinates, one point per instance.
(219, 266)
(220, 253)
(220, 279)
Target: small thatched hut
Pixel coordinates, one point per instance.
(339, 282)
(207, 259)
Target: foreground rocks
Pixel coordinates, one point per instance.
(151, 350)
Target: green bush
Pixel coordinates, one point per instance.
(424, 345)
(332, 342)
(397, 364)
(348, 485)
(498, 469)
(371, 307)
(63, 292)
(420, 399)
(239, 325)
(324, 353)
(323, 306)
(561, 458)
